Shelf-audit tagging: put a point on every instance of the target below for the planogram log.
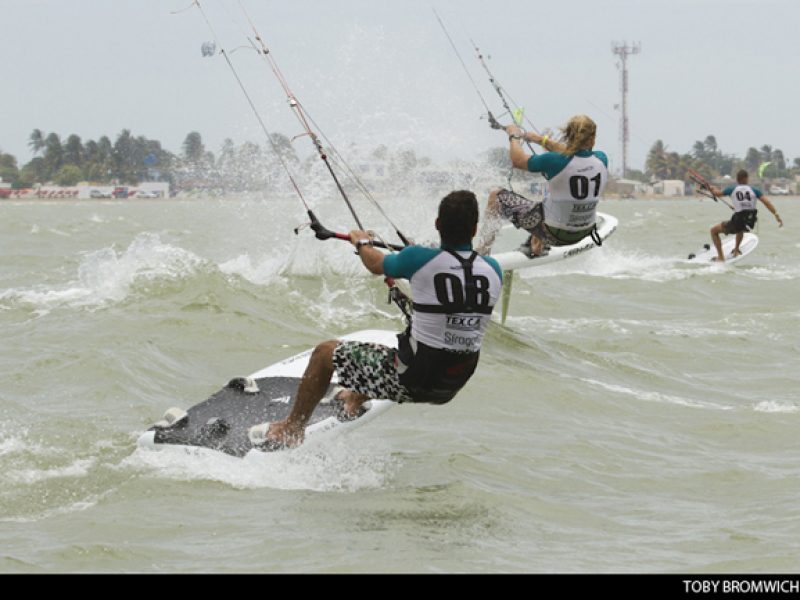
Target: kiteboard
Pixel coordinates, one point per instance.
(512, 251)
(708, 254)
(222, 423)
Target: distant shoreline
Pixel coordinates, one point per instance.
(250, 196)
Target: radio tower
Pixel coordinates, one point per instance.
(624, 51)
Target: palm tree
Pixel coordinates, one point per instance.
(656, 165)
(36, 141)
(193, 150)
(711, 144)
(73, 151)
(699, 150)
(752, 160)
(123, 156)
(766, 153)
(780, 162)
(53, 154)
(283, 145)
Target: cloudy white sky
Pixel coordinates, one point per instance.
(381, 71)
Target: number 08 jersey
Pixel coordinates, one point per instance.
(577, 184)
(454, 293)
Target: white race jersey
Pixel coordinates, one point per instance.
(574, 194)
(744, 198)
(451, 313)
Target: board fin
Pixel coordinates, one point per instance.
(508, 285)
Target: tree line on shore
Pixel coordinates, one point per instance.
(130, 159)
(707, 159)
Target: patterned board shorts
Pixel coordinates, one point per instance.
(741, 222)
(369, 369)
(525, 214)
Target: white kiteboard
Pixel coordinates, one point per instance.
(511, 251)
(223, 422)
(709, 253)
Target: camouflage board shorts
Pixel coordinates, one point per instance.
(525, 214)
(369, 369)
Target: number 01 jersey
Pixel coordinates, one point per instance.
(577, 184)
(454, 292)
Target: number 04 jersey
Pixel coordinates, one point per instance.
(577, 184)
(454, 292)
(744, 197)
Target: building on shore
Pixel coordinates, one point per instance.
(626, 189)
(670, 188)
(88, 191)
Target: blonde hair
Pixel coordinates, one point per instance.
(579, 134)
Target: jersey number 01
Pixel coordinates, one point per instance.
(579, 186)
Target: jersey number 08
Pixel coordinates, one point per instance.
(451, 295)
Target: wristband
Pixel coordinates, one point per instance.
(544, 141)
(361, 243)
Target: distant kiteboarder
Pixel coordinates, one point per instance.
(744, 198)
(578, 175)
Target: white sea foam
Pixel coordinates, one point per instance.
(553, 325)
(340, 467)
(78, 468)
(628, 326)
(17, 441)
(78, 506)
(263, 272)
(617, 263)
(107, 276)
(345, 306)
(690, 330)
(12, 446)
(770, 406)
(773, 273)
(651, 396)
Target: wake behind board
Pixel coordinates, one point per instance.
(222, 423)
(709, 253)
(509, 249)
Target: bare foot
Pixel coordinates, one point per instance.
(719, 259)
(351, 405)
(736, 253)
(538, 247)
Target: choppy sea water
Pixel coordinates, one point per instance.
(636, 414)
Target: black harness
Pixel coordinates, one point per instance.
(433, 375)
(569, 238)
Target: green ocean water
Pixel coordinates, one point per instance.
(636, 414)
